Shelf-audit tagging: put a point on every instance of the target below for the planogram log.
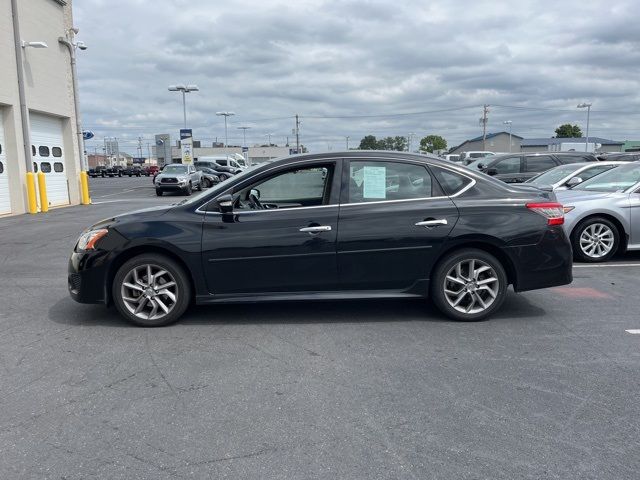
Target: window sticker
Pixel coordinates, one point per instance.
(375, 182)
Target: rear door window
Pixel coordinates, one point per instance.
(371, 181)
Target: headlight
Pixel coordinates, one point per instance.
(88, 240)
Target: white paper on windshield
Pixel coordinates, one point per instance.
(375, 182)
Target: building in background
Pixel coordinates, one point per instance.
(256, 154)
(550, 144)
(494, 142)
(49, 127)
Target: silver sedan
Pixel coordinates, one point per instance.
(563, 177)
(602, 214)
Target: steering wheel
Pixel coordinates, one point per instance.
(255, 202)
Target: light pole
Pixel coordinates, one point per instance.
(69, 41)
(225, 115)
(268, 135)
(588, 107)
(509, 122)
(244, 135)
(347, 139)
(184, 89)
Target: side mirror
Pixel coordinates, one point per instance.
(573, 181)
(255, 192)
(225, 203)
(492, 171)
(481, 166)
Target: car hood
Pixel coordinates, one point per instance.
(150, 212)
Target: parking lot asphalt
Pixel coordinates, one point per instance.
(546, 389)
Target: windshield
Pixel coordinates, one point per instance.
(475, 165)
(555, 174)
(617, 180)
(175, 169)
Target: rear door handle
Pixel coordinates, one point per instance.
(316, 229)
(432, 223)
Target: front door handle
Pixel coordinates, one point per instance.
(316, 229)
(432, 223)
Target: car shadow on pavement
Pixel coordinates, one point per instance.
(67, 312)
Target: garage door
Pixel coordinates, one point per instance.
(49, 156)
(5, 200)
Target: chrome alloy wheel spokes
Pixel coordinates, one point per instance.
(149, 292)
(471, 286)
(596, 240)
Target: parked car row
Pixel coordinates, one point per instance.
(600, 196)
(204, 173)
(121, 171)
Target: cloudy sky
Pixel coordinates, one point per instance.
(357, 67)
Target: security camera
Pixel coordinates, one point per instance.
(81, 45)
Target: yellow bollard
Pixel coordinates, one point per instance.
(42, 190)
(32, 201)
(84, 188)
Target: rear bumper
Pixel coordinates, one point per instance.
(548, 263)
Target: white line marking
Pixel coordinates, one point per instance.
(633, 331)
(611, 265)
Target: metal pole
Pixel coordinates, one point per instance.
(484, 126)
(184, 107)
(24, 111)
(510, 125)
(586, 144)
(297, 135)
(226, 137)
(347, 142)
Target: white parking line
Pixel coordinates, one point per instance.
(633, 331)
(610, 265)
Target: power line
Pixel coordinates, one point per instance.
(389, 115)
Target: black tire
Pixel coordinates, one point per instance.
(188, 190)
(158, 192)
(206, 183)
(223, 177)
(199, 186)
(439, 282)
(579, 253)
(183, 289)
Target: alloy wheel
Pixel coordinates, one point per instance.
(597, 240)
(149, 292)
(471, 286)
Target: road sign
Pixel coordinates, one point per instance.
(87, 135)
(245, 149)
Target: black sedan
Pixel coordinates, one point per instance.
(329, 226)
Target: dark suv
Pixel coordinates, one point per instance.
(518, 168)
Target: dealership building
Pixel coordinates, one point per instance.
(38, 129)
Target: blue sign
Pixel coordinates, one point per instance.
(245, 149)
(87, 135)
(185, 133)
(137, 160)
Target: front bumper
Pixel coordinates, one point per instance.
(86, 276)
(548, 263)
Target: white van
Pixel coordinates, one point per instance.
(226, 161)
(473, 155)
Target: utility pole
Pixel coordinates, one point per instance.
(139, 147)
(148, 152)
(297, 134)
(347, 139)
(509, 122)
(484, 120)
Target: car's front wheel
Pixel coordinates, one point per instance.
(595, 240)
(188, 190)
(158, 192)
(151, 290)
(206, 183)
(469, 285)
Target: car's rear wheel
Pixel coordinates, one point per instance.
(469, 285)
(151, 290)
(595, 240)
(223, 177)
(206, 183)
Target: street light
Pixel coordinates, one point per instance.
(588, 107)
(244, 135)
(225, 115)
(69, 41)
(347, 139)
(184, 89)
(268, 135)
(410, 140)
(509, 122)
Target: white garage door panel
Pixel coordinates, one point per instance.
(5, 200)
(49, 156)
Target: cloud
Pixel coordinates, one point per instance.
(268, 59)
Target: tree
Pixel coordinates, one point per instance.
(398, 143)
(369, 143)
(568, 131)
(431, 143)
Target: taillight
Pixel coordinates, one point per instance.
(553, 212)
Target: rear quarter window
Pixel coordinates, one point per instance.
(450, 181)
